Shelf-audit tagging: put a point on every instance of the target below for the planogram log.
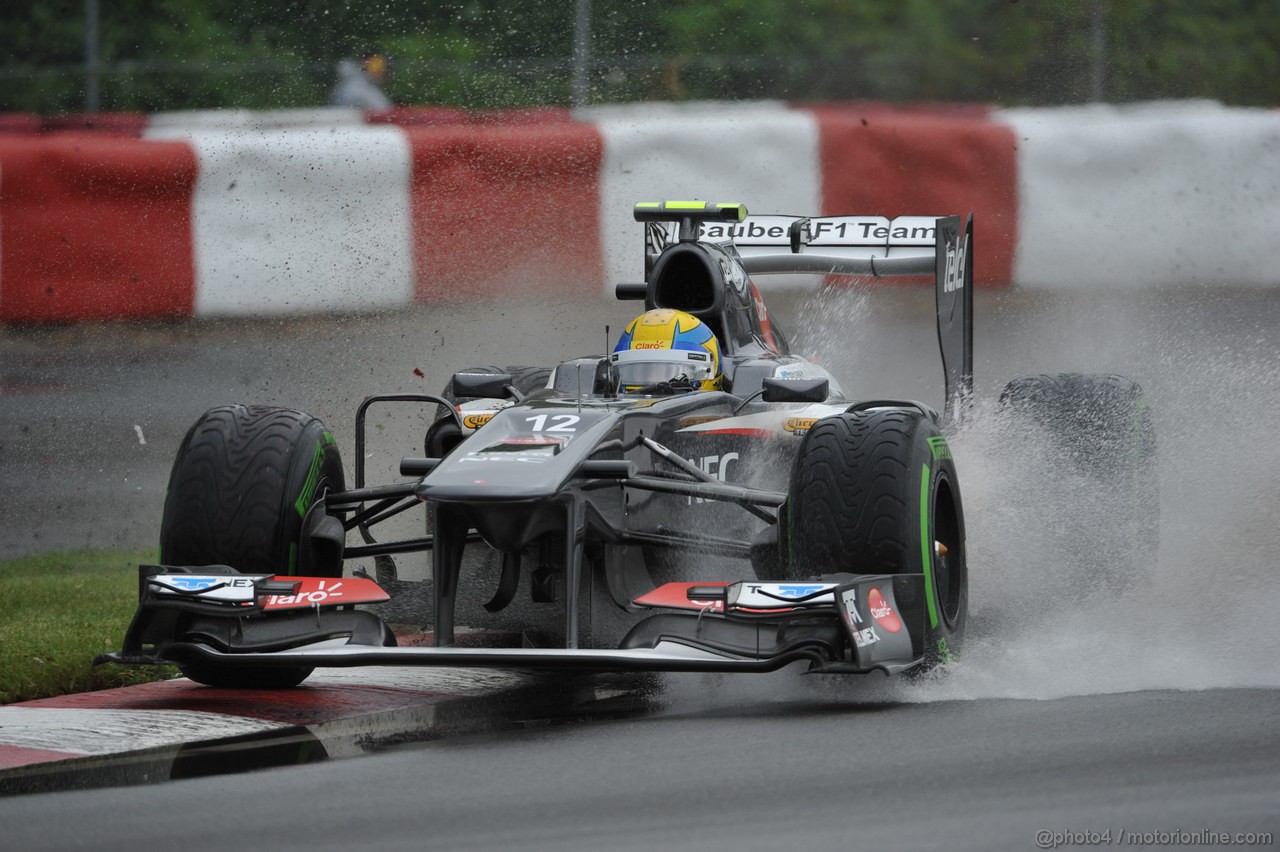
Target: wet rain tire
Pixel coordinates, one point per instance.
(859, 488)
(226, 677)
(443, 437)
(286, 677)
(242, 482)
(524, 379)
(1096, 493)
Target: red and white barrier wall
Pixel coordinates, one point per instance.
(238, 212)
(305, 219)
(1181, 192)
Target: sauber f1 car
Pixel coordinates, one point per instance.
(698, 499)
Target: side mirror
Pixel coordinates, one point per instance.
(778, 389)
(631, 291)
(606, 379)
(486, 385)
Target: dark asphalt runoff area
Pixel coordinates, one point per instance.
(1084, 710)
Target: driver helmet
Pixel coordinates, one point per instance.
(666, 350)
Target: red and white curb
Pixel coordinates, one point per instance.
(176, 713)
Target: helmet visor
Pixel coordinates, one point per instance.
(636, 370)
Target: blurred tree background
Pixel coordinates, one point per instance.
(184, 54)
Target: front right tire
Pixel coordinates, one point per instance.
(244, 485)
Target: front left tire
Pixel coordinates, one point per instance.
(876, 492)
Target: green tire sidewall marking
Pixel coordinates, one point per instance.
(939, 447)
(303, 503)
(926, 555)
(309, 486)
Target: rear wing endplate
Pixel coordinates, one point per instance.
(953, 288)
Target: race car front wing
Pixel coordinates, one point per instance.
(839, 624)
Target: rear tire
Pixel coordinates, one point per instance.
(871, 493)
(444, 435)
(1091, 476)
(524, 379)
(243, 482)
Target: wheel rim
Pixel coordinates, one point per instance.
(948, 555)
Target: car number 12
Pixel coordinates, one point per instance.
(559, 422)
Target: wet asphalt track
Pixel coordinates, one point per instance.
(807, 772)
(741, 763)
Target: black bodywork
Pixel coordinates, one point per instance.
(585, 490)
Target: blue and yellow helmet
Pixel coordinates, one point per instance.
(666, 347)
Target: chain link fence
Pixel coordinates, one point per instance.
(500, 83)
(165, 85)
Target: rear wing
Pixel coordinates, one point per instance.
(865, 246)
(831, 245)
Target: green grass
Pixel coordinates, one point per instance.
(59, 611)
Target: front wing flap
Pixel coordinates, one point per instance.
(841, 624)
(219, 606)
(882, 615)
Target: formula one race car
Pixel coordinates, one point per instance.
(698, 499)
